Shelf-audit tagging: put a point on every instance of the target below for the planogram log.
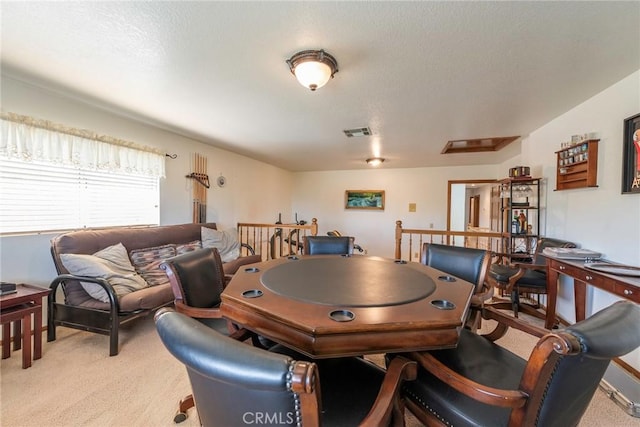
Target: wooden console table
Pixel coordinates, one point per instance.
(17, 308)
(623, 286)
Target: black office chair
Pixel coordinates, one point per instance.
(327, 245)
(469, 264)
(479, 383)
(235, 384)
(516, 278)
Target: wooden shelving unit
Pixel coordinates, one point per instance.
(577, 166)
(516, 201)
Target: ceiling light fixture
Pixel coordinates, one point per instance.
(313, 68)
(375, 161)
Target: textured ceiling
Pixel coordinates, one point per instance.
(417, 73)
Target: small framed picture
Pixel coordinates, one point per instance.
(364, 199)
(631, 156)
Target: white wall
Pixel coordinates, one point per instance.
(321, 195)
(600, 218)
(485, 206)
(255, 191)
(458, 217)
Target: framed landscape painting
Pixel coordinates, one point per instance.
(364, 199)
(631, 155)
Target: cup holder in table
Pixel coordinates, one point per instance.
(251, 270)
(447, 278)
(443, 304)
(342, 315)
(252, 293)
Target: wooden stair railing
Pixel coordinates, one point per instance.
(414, 238)
(276, 240)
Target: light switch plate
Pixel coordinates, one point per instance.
(412, 207)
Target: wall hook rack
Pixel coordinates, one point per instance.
(202, 178)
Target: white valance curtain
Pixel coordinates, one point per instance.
(28, 139)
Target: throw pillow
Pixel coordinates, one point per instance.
(147, 263)
(225, 241)
(112, 264)
(188, 247)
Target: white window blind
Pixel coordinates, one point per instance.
(53, 177)
(39, 196)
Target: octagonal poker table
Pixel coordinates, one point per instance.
(335, 305)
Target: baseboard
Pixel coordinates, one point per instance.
(623, 388)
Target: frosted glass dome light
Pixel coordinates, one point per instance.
(313, 68)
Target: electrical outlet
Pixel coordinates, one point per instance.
(412, 207)
(430, 225)
(366, 251)
(416, 255)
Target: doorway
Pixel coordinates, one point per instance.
(459, 196)
(474, 211)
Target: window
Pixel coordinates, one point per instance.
(36, 196)
(79, 183)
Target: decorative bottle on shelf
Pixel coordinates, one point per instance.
(514, 223)
(522, 222)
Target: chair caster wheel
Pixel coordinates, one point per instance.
(179, 417)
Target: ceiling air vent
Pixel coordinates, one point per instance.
(357, 132)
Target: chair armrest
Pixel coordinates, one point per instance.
(501, 257)
(500, 274)
(505, 321)
(399, 370)
(200, 313)
(232, 266)
(241, 334)
(479, 392)
(529, 266)
(249, 248)
(522, 269)
(478, 298)
(60, 279)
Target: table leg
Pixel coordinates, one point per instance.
(552, 296)
(6, 340)
(580, 294)
(17, 334)
(26, 341)
(37, 332)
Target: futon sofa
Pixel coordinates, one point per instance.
(134, 284)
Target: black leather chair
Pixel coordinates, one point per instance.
(516, 278)
(469, 264)
(328, 245)
(197, 280)
(336, 233)
(482, 384)
(236, 384)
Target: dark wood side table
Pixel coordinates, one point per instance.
(17, 308)
(622, 286)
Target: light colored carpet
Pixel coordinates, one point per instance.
(76, 383)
